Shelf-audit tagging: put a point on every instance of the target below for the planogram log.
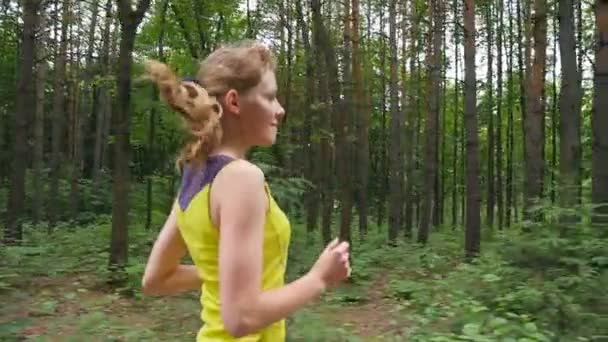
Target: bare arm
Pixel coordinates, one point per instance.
(241, 209)
(164, 275)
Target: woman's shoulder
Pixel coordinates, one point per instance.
(242, 171)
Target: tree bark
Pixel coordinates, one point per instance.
(25, 112)
(554, 106)
(129, 20)
(472, 235)
(396, 164)
(88, 106)
(410, 117)
(535, 113)
(384, 164)
(490, 198)
(59, 115)
(570, 112)
(510, 125)
(430, 164)
(151, 161)
(328, 84)
(599, 118)
(312, 145)
(104, 100)
(363, 115)
(38, 161)
(342, 130)
(457, 114)
(499, 109)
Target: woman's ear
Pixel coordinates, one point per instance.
(231, 101)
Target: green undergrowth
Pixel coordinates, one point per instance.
(536, 286)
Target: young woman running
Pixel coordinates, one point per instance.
(225, 216)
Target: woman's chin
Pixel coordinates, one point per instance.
(267, 141)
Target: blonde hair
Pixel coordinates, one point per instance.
(238, 67)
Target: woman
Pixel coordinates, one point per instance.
(225, 216)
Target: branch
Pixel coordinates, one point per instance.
(185, 32)
(142, 7)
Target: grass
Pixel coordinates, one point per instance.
(55, 289)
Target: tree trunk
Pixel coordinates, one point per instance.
(59, 116)
(86, 112)
(534, 117)
(499, 151)
(396, 164)
(25, 112)
(105, 102)
(38, 161)
(322, 46)
(456, 114)
(430, 164)
(409, 126)
(152, 158)
(311, 173)
(437, 84)
(472, 235)
(443, 121)
(418, 130)
(523, 72)
(404, 108)
(76, 141)
(510, 125)
(363, 115)
(100, 142)
(384, 169)
(342, 131)
(80, 109)
(599, 118)
(554, 108)
(490, 91)
(570, 113)
(129, 20)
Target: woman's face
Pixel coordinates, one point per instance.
(259, 112)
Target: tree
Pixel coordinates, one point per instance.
(395, 214)
(491, 193)
(59, 115)
(570, 110)
(41, 74)
(23, 118)
(363, 114)
(534, 119)
(432, 121)
(472, 235)
(499, 109)
(342, 131)
(129, 20)
(600, 116)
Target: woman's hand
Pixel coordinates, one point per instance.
(333, 265)
(164, 275)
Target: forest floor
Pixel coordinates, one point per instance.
(55, 289)
(78, 308)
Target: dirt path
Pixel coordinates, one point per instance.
(374, 316)
(77, 309)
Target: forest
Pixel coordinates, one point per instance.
(457, 145)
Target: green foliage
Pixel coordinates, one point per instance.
(545, 285)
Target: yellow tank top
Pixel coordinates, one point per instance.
(202, 240)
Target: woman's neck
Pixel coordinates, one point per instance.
(234, 150)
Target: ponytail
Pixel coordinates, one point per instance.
(200, 112)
